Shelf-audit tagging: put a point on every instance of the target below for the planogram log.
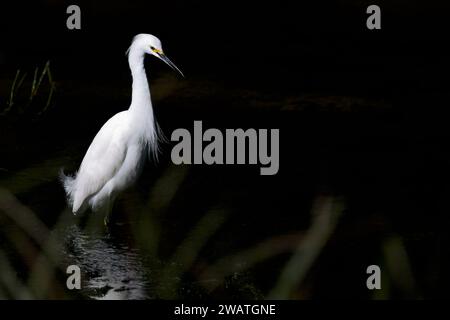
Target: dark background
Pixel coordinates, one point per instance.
(362, 115)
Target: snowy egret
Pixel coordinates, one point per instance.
(115, 156)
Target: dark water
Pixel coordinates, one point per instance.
(227, 232)
(112, 270)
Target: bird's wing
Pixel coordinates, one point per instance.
(102, 160)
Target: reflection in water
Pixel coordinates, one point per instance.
(110, 268)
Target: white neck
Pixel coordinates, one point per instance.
(141, 109)
(140, 96)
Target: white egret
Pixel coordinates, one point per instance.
(116, 154)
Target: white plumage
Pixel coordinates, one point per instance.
(115, 156)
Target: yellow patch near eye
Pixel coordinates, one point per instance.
(157, 51)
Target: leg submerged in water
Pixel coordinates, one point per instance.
(107, 209)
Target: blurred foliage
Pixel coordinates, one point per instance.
(38, 250)
(34, 255)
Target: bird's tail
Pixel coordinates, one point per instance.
(69, 185)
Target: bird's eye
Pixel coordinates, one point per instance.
(155, 50)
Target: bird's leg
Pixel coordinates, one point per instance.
(107, 213)
(106, 220)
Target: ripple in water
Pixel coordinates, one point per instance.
(110, 268)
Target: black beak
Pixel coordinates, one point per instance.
(164, 58)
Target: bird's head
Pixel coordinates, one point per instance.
(150, 44)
